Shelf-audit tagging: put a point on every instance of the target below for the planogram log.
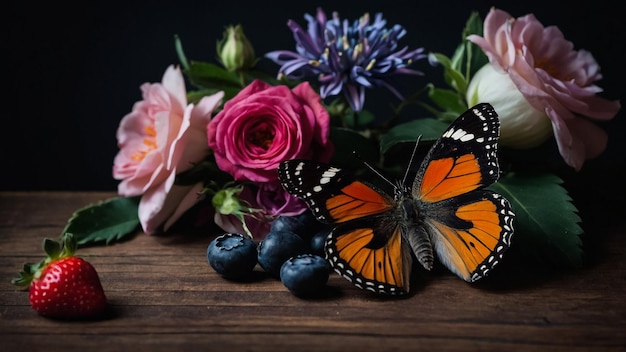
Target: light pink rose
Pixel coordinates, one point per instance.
(162, 137)
(264, 125)
(554, 79)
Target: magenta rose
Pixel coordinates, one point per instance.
(264, 125)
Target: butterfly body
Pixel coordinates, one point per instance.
(444, 213)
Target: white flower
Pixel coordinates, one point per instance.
(521, 125)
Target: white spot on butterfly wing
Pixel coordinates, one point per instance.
(458, 134)
(467, 137)
(461, 135)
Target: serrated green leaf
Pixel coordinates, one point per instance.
(547, 225)
(106, 221)
(430, 129)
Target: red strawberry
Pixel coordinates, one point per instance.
(63, 285)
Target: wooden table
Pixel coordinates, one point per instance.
(165, 297)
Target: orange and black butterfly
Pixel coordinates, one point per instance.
(445, 212)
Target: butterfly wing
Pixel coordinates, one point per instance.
(471, 232)
(470, 228)
(366, 246)
(371, 254)
(332, 194)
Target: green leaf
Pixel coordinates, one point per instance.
(450, 101)
(51, 247)
(475, 57)
(462, 58)
(453, 77)
(355, 120)
(457, 59)
(206, 170)
(180, 52)
(430, 129)
(468, 57)
(212, 77)
(69, 244)
(26, 275)
(253, 74)
(109, 220)
(347, 142)
(547, 226)
(474, 25)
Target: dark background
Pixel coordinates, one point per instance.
(71, 73)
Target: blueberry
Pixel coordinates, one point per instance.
(318, 240)
(232, 255)
(305, 274)
(304, 225)
(276, 248)
(287, 223)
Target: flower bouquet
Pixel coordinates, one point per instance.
(203, 147)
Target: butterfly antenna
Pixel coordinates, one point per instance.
(373, 169)
(406, 173)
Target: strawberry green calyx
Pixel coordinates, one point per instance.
(54, 250)
(62, 285)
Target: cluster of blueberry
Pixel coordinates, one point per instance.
(292, 251)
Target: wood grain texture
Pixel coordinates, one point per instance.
(165, 297)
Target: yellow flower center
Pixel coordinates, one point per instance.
(149, 143)
(552, 69)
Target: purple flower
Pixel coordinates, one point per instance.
(347, 58)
